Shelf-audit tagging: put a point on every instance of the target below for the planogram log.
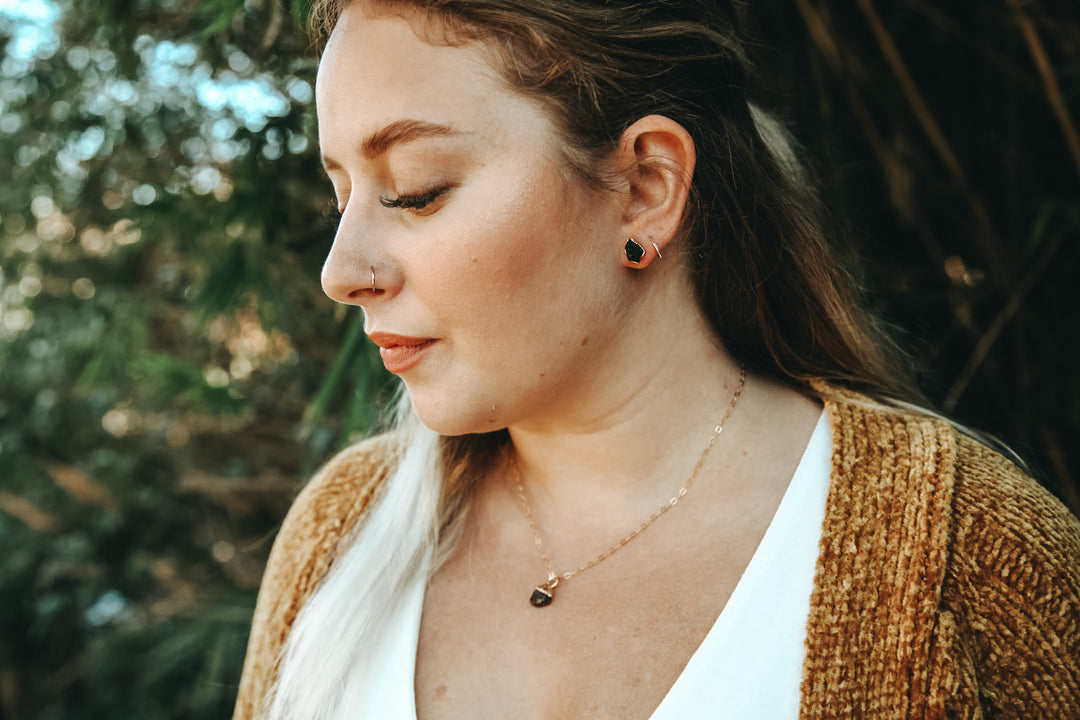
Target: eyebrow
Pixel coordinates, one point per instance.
(396, 133)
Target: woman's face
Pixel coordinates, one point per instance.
(499, 268)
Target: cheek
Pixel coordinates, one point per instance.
(523, 293)
(511, 248)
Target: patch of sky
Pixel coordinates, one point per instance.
(31, 25)
(106, 608)
(174, 66)
(172, 75)
(170, 67)
(89, 142)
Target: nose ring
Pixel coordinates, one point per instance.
(372, 278)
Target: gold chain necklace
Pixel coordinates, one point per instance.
(543, 594)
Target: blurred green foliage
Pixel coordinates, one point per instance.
(162, 336)
(170, 372)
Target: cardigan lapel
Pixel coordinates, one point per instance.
(873, 625)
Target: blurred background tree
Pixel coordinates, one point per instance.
(170, 372)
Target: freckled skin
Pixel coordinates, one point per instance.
(507, 270)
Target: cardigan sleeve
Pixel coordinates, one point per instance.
(1014, 590)
(322, 515)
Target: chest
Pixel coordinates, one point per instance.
(618, 636)
(611, 645)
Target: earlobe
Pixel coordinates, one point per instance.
(657, 157)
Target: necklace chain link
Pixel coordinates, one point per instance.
(543, 596)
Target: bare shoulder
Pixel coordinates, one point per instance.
(325, 511)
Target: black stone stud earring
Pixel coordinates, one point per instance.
(634, 252)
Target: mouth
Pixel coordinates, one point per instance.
(400, 352)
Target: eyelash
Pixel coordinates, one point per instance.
(418, 201)
(331, 216)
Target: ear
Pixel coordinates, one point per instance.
(656, 159)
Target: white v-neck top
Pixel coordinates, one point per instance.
(750, 663)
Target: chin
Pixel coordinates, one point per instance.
(456, 417)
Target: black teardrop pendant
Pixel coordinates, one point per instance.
(542, 596)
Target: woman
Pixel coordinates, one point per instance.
(634, 476)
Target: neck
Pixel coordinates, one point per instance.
(626, 442)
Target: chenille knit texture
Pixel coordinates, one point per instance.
(947, 583)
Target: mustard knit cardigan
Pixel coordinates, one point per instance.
(947, 583)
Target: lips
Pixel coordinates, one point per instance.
(400, 352)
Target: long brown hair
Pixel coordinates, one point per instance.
(762, 268)
(762, 271)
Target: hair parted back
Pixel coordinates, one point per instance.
(762, 268)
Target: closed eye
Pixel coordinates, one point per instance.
(418, 201)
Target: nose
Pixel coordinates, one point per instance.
(352, 276)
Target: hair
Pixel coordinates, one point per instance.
(761, 265)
